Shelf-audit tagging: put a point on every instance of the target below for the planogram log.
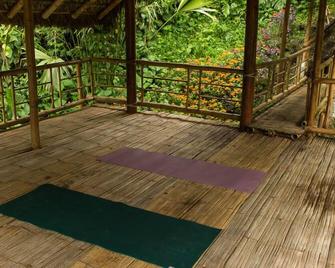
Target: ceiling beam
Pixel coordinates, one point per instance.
(108, 9)
(83, 8)
(15, 9)
(51, 9)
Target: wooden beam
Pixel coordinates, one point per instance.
(83, 8)
(285, 27)
(108, 9)
(51, 9)
(317, 64)
(15, 9)
(250, 52)
(32, 79)
(130, 24)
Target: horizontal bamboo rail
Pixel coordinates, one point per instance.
(279, 78)
(197, 86)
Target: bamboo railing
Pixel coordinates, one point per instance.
(61, 86)
(185, 88)
(325, 100)
(278, 78)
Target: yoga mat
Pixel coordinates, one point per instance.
(148, 236)
(243, 180)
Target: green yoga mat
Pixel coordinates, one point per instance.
(148, 236)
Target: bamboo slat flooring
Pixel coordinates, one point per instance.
(286, 116)
(288, 221)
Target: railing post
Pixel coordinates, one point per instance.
(317, 63)
(130, 25)
(80, 83)
(32, 79)
(250, 70)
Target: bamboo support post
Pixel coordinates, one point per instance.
(308, 33)
(285, 27)
(317, 63)
(32, 79)
(130, 25)
(250, 71)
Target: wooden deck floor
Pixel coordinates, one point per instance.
(288, 222)
(286, 116)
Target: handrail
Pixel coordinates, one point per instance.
(291, 56)
(189, 66)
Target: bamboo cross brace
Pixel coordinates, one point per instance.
(15, 9)
(108, 9)
(51, 9)
(83, 8)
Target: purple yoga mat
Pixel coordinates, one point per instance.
(240, 179)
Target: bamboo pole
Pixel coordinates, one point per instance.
(250, 52)
(309, 24)
(285, 29)
(109, 9)
(32, 80)
(330, 99)
(83, 8)
(317, 63)
(51, 9)
(130, 24)
(79, 83)
(15, 9)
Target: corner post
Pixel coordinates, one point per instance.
(130, 25)
(317, 63)
(32, 80)
(250, 70)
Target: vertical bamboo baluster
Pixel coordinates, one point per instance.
(142, 83)
(3, 108)
(52, 89)
(92, 77)
(187, 104)
(80, 83)
(270, 74)
(299, 62)
(273, 80)
(200, 89)
(287, 76)
(14, 116)
(60, 86)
